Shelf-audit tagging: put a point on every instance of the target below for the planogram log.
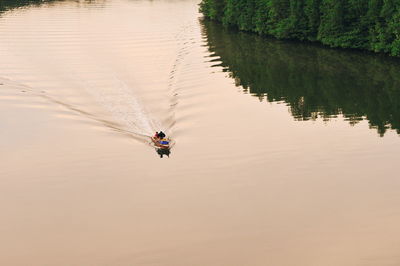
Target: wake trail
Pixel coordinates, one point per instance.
(125, 107)
(92, 72)
(79, 110)
(185, 42)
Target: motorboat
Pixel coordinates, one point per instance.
(163, 143)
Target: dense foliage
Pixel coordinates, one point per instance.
(313, 81)
(363, 24)
(12, 4)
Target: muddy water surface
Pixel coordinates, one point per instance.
(284, 154)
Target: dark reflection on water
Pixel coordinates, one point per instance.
(163, 152)
(12, 4)
(312, 80)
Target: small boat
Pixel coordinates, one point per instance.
(161, 143)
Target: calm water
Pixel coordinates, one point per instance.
(284, 153)
(315, 82)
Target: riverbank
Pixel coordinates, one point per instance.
(372, 25)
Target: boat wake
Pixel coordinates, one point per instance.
(126, 78)
(126, 108)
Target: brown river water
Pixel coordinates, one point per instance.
(284, 153)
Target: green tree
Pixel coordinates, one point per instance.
(363, 24)
(312, 12)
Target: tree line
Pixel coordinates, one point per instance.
(12, 4)
(372, 25)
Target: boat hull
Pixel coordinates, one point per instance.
(157, 143)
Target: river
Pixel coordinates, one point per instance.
(284, 153)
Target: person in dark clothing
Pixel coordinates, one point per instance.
(161, 135)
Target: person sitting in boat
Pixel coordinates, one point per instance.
(161, 135)
(156, 135)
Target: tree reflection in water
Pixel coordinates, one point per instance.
(12, 4)
(314, 81)
(163, 152)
